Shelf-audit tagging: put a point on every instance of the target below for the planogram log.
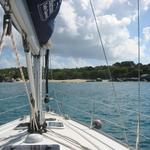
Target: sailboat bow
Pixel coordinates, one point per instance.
(34, 19)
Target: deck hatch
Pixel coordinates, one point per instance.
(55, 124)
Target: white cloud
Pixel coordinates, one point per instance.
(89, 37)
(146, 33)
(69, 17)
(102, 6)
(75, 38)
(5, 63)
(84, 4)
(69, 62)
(8, 58)
(145, 4)
(114, 33)
(126, 50)
(114, 25)
(117, 38)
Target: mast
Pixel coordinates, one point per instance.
(38, 61)
(42, 15)
(34, 67)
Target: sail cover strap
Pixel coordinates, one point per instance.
(43, 14)
(46, 100)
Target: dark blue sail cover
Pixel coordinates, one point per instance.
(43, 14)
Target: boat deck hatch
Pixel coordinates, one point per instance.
(33, 147)
(55, 124)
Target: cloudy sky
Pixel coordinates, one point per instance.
(75, 39)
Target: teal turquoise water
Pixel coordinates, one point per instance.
(78, 100)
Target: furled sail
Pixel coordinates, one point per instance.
(43, 14)
(34, 19)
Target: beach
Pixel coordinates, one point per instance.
(69, 81)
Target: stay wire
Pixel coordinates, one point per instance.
(17, 57)
(51, 75)
(139, 80)
(109, 72)
(15, 50)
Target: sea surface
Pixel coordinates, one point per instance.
(116, 107)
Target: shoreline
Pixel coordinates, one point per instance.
(73, 81)
(69, 81)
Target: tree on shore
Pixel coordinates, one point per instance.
(119, 70)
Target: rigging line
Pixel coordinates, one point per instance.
(20, 67)
(61, 105)
(88, 113)
(125, 109)
(84, 131)
(58, 105)
(100, 39)
(15, 49)
(12, 97)
(108, 121)
(139, 83)
(128, 110)
(107, 105)
(23, 78)
(109, 72)
(146, 137)
(2, 38)
(13, 109)
(51, 71)
(110, 106)
(58, 141)
(68, 139)
(50, 55)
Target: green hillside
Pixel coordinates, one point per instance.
(120, 71)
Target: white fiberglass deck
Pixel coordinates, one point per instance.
(73, 136)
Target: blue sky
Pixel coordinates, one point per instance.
(75, 39)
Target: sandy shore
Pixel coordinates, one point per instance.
(69, 81)
(57, 81)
